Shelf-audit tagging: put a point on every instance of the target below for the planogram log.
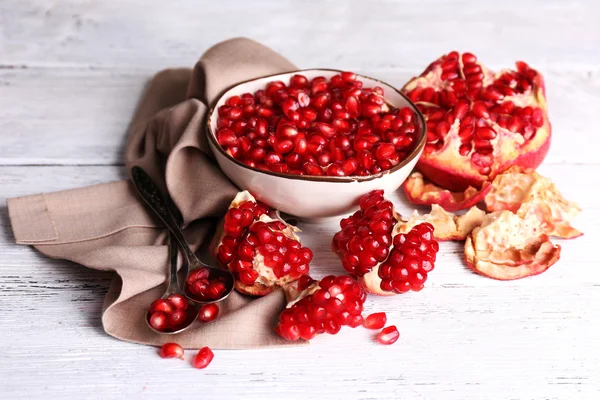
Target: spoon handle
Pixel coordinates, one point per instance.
(151, 194)
(173, 256)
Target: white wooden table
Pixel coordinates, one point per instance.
(70, 75)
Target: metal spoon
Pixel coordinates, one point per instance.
(152, 195)
(193, 309)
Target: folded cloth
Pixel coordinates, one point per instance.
(107, 226)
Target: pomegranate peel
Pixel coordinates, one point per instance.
(526, 192)
(447, 226)
(419, 190)
(479, 122)
(507, 247)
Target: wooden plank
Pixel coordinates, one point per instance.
(80, 116)
(464, 336)
(351, 34)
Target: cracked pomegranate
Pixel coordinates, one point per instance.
(316, 307)
(263, 253)
(168, 315)
(332, 127)
(373, 249)
(479, 122)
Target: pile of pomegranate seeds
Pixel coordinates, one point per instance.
(322, 307)
(372, 248)
(201, 287)
(208, 312)
(173, 350)
(168, 314)
(320, 127)
(260, 251)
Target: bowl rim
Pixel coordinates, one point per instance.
(319, 178)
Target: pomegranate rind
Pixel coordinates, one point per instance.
(420, 190)
(371, 282)
(447, 226)
(451, 171)
(525, 192)
(508, 247)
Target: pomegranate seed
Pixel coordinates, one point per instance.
(375, 321)
(203, 358)
(388, 335)
(178, 301)
(158, 320)
(208, 312)
(171, 350)
(161, 305)
(176, 318)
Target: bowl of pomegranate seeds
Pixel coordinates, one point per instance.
(311, 142)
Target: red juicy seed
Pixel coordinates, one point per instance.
(161, 305)
(200, 273)
(203, 358)
(176, 318)
(178, 301)
(356, 320)
(375, 321)
(306, 331)
(288, 331)
(158, 320)
(208, 312)
(388, 335)
(248, 276)
(171, 350)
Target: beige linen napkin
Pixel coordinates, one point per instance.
(107, 227)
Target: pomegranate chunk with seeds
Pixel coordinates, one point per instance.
(447, 226)
(479, 122)
(322, 126)
(171, 350)
(316, 307)
(373, 248)
(526, 192)
(203, 358)
(507, 246)
(388, 335)
(263, 253)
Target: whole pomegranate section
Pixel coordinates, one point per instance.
(479, 122)
(374, 249)
(263, 253)
(324, 306)
(332, 127)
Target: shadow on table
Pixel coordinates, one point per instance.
(78, 291)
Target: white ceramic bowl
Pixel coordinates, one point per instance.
(311, 197)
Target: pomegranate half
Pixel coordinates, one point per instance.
(479, 122)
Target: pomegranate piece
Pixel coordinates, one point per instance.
(507, 246)
(208, 312)
(316, 307)
(203, 358)
(419, 190)
(373, 249)
(332, 127)
(479, 122)
(375, 321)
(263, 253)
(447, 226)
(171, 350)
(526, 192)
(388, 335)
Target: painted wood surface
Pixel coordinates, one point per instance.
(70, 75)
